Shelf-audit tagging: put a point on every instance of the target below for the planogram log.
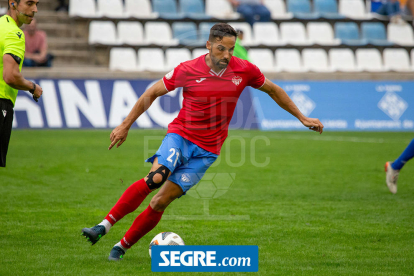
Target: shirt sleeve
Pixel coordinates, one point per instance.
(14, 43)
(257, 79)
(175, 78)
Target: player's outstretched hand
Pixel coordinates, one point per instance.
(119, 134)
(313, 124)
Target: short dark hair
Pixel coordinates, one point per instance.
(8, 3)
(221, 30)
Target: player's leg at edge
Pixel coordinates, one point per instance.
(392, 169)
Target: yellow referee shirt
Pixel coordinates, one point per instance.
(12, 41)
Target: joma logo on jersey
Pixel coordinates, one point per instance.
(237, 80)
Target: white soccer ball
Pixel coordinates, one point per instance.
(166, 238)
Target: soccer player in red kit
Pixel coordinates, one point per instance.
(212, 85)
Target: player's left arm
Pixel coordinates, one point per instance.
(282, 99)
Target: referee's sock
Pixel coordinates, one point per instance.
(129, 201)
(407, 154)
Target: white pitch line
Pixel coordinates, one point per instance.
(332, 138)
(322, 137)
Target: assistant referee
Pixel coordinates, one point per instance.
(12, 48)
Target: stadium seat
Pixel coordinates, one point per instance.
(354, 9)
(412, 59)
(139, 9)
(204, 30)
(124, 59)
(315, 60)
(321, 33)
(396, 60)
(369, 60)
(151, 59)
(3, 10)
(263, 58)
(288, 60)
(221, 9)
(400, 34)
(301, 9)
(194, 9)
(247, 31)
(102, 32)
(131, 33)
(82, 8)
(293, 33)
(327, 9)
(159, 33)
(186, 33)
(167, 9)
(342, 60)
(176, 56)
(266, 33)
(199, 52)
(348, 33)
(111, 8)
(374, 33)
(277, 9)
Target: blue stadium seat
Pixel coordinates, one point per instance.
(186, 33)
(167, 9)
(348, 33)
(327, 9)
(205, 30)
(301, 9)
(374, 33)
(193, 9)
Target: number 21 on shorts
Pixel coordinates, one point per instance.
(174, 152)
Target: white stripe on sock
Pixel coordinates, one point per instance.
(119, 244)
(106, 224)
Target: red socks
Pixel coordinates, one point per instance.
(144, 223)
(129, 201)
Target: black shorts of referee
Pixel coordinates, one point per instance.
(6, 123)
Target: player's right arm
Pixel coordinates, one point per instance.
(120, 133)
(13, 55)
(282, 99)
(13, 78)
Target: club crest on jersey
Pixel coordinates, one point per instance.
(4, 113)
(237, 80)
(169, 75)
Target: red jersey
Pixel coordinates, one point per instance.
(209, 98)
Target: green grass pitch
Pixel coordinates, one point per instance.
(320, 207)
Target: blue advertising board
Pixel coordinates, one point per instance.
(340, 105)
(105, 104)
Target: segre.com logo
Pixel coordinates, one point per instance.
(206, 258)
